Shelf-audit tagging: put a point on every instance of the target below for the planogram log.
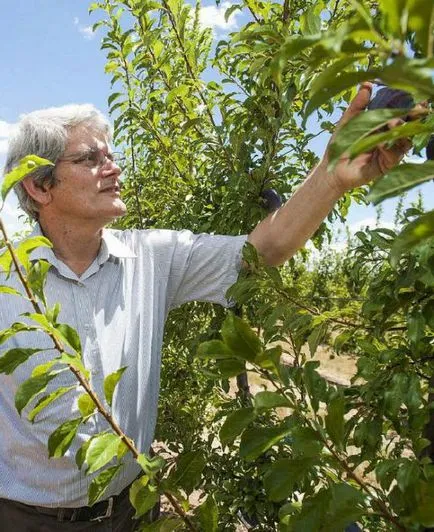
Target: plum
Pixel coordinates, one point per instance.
(430, 149)
(270, 199)
(387, 98)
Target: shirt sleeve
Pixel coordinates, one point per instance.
(204, 267)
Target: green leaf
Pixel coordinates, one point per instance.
(282, 477)
(25, 248)
(240, 338)
(61, 439)
(385, 472)
(8, 290)
(189, 467)
(316, 385)
(345, 81)
(122, 450)
(270, 359)
(358, 128)
(208, 515)
(226, 368)
(14, 358)
(26, 166)
(346, 507)
(335, 422)
(402, 178)
(235, 423)
(408, 475)
(43, 368)
(214, 349)
(266, 400)
(32, 387)
(86, 405)
(295, 44)
(80, 455)
(415, 326)
(73, 361)
(68, 335)
(305, 442)
(180, 91)
(230, 10)
(413, 234)
(421, 21)
(101, 450)
(6, 261)
(143, 496)
(99, 484)
(256, 441)
(47, 400)
(316, 337)
(394, 15)
(341, 339)
(151, 466)
(37, 276)
(407, 130)
(310, 22)
(424, 511)
(410, 75)
(110, 383)
(111, 66)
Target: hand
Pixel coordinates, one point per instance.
(366, 167)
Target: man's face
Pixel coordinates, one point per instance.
(87, 187)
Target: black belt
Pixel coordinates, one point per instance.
(98, 512)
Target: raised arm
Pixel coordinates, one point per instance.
(283, 232)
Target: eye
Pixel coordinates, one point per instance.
(90, 158)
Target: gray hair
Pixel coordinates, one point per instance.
(45, 133)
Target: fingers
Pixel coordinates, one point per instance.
(358, 104)
(388, 158)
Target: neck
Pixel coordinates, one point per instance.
(75, 244)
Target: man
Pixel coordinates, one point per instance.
(116, 288)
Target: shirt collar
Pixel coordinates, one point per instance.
(111, 246)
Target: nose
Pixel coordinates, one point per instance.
(110, 166)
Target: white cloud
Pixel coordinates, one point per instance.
(371, 223)
(86, 31)
(214, 17)
(3, 146)
(5, 131)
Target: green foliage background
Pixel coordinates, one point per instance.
(198, 155)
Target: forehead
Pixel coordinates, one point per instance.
(84, 137)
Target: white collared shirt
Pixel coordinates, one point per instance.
(118, 306)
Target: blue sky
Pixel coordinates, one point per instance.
(51, 57)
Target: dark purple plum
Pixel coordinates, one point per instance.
(387, 98)
(430, 149)
(271, 199)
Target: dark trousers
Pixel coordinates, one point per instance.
(18, 517)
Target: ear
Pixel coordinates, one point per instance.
(40, 193)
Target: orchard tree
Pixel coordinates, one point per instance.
(207, 130)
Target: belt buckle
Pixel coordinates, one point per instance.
(108, 512)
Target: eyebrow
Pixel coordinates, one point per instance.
(85, 153)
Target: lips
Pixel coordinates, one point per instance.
(112, 189)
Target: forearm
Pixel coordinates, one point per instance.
(286, 230)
